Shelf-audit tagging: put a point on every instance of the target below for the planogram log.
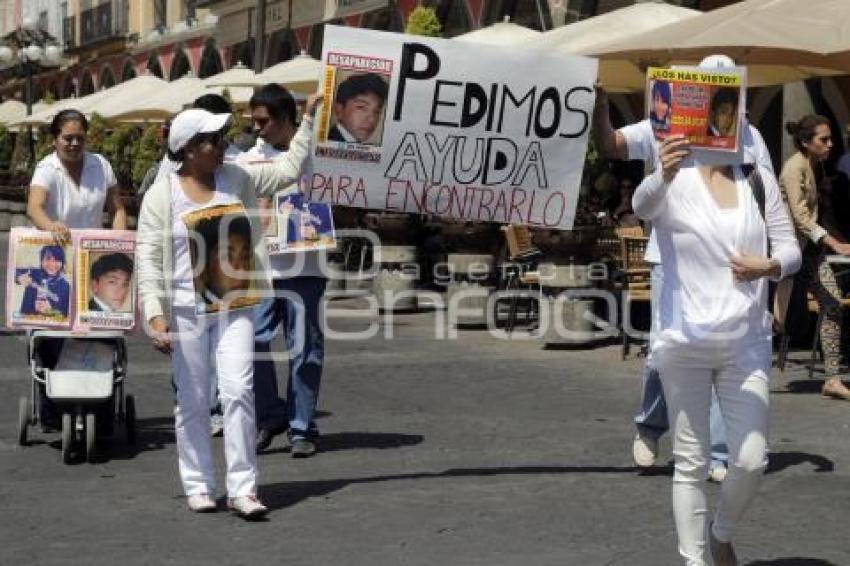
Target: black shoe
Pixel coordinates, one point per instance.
(303, 448)
(264, 439)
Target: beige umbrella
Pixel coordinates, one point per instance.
(134, 89)
(500, 33)
(778, 40)
(12, 111)
(162, 104)
(239, 75)
(582, 36)
(300, 74)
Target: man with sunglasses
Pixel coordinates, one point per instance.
(299, 284)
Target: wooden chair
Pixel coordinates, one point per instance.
(520, 272)
(636, 278)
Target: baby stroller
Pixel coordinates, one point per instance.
(85, 382)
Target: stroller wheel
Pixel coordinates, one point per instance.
(91, 437)
(67, 436)
(23, 420)
(130, 419)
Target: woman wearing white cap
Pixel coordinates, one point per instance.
(721, 238)
(168, 301)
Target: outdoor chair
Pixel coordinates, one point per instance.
(635, 283)
(520, 270)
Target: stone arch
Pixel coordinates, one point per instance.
(282, 46)
(69, 86)
(153, 66)
(107, 78)
(180, 65)
(385, 19)
(128, 72)
(211, 63)
(86, 83)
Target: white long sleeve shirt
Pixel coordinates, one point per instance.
(700, 299)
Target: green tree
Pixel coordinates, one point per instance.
(97, 133)
(423, 21)
(147, 153)
(43, 145)
(7, 146)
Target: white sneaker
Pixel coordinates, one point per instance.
(718, 472)
(247, 507)
(201, 503)
(644, 450)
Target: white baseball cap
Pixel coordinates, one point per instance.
(717, 62)
(192, 122)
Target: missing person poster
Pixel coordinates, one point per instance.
(222, 256)
(705, 106)
(39, 281)
(106, 280)
(301, 225)
(439, 127)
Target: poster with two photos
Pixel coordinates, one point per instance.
(88, 284)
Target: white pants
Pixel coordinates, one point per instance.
(740, 375)
(230, 338)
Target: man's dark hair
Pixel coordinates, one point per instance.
(111, 262)
(214, 103)
(68, 115)
(364, 83)
(723, 96)
(277, 100)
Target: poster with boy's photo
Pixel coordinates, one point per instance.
(705, 106)
(106, 283)
(303, 225)
(39, 281)
(351, 123)
(221, 252)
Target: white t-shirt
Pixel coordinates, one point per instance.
(299, 264)
(642, 145)
(78, 207)
(182, 284)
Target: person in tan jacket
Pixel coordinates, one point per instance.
(800, 180)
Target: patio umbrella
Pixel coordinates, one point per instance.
(134, 89)
(160, 105)
(500, 33)
(238, 75)
(299, 74)
(778, 40)
(12, 111)
(579, 37)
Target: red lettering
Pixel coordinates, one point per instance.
(514, 206)
(486, 206)
(557, 221)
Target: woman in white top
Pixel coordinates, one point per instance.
(69, 190)
(70, 187)
(168, 301)
(718, 250)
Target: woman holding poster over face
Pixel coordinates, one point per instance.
(167, 250)
(719, 250)
(69, 190)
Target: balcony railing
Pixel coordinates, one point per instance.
(104, 21)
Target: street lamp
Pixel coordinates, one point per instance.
(30, 48)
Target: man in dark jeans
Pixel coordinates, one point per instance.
(299, 284)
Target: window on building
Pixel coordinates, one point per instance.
(243, 53)
(87, 86)
(385, 19)
(42, 20)
(532, 14)
(453, 16)
(160, 14)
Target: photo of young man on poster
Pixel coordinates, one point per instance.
(110, 283)
(358, 109)
(723, 117)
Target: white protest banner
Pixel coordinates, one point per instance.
(432, 126)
